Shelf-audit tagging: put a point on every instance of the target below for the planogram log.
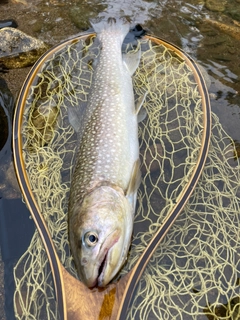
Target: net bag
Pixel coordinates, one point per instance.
(193, 273)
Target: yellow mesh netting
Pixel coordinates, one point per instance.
(194, 272)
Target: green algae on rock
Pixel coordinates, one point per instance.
(215, 5)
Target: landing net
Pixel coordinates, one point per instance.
(194, 272)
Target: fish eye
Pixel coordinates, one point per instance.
(91, 238)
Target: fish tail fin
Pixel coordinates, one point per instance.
(116, 26)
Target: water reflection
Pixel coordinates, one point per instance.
(137, 11)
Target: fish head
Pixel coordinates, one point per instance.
(100, 236)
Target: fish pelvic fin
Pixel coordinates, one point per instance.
(134, 183)
(139, 108)
(115, 26)
(131, 61)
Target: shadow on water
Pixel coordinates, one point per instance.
(208, 30)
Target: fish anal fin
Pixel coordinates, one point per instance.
(131, 61)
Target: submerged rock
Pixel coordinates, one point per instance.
(215, 5)
(82, 12)
(234, 13)
(18, 49)
(231, 30)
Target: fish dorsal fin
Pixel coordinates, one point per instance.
(131, 61)
(134, 183)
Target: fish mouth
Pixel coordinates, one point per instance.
(101, 270)
(108, 247)
(97, 281)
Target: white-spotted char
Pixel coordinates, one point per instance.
(106, 175)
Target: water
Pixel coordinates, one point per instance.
(180, 22)
(183, 23)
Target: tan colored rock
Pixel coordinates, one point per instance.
(215, 5)
(18, 49)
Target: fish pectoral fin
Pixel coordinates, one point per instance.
(131, 61)
(140, 110)
(134, 183)
(141, 115)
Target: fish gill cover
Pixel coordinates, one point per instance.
(195, 270)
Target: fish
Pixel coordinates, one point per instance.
(106, 175)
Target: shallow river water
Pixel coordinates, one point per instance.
(209, 31)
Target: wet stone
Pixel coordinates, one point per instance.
(8, 23)
(19, 50)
